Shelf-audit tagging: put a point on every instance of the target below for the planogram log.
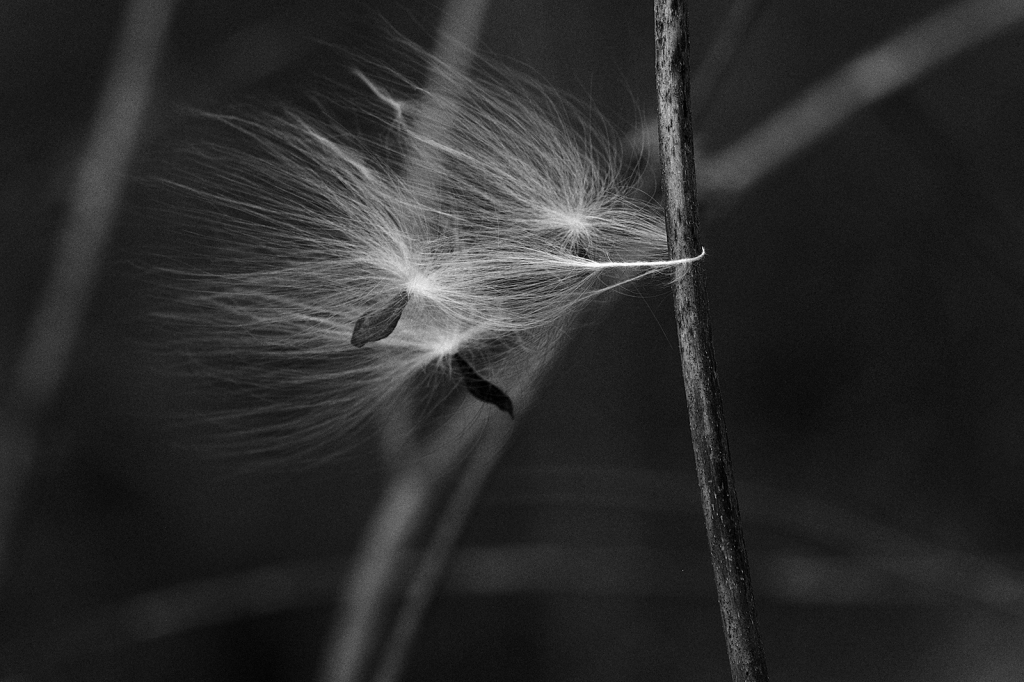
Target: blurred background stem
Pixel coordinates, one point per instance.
(94, 201)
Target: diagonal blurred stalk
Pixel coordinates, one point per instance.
(481, 454)
(95, 198)
(729, 37)
(867, 79)
(364, 631)
(703, 396)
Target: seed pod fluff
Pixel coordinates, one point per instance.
(352, 265)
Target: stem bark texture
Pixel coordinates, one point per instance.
(703, 396)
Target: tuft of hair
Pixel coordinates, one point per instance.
(347, 268)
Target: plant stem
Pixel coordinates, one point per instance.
(486, 450)
(703, 396)
(366, 630)
(94, 200)
(376, 576)
(865, 80)
(725, 47)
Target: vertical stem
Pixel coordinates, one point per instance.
(95, 198)
(368, 640)
(376, 576)
(703, 396)
(93, 203)
(482, 455)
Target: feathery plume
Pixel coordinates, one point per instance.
(342, 279)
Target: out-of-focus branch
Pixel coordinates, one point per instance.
(486, 450)
(474, 437)
(168, 612)
(824, 107)
(729, 38)
(936, 571)
(94, 200)
(849, 559)
(453, 51)
(879, 548)
(364, 631)
(376, 575)
(867, 79)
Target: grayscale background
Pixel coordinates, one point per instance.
(867, 301)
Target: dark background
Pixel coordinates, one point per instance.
(867, 305)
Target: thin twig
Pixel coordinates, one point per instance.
(94, 200)
(707, 420)
(642, 142)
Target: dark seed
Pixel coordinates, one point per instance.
(378, 324)
(480, 388)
